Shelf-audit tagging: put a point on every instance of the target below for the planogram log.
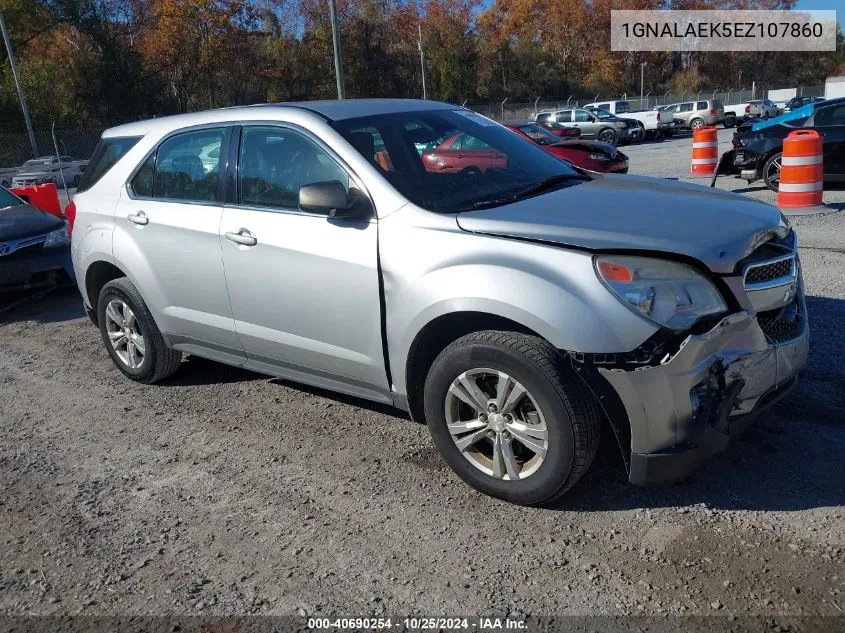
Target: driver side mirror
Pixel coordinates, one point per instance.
(332, 199)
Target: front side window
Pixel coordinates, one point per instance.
(8, 199)
(603, 106)
(581, 116)
(447, 180)
(538, 133)
(833, 115)
(275, 163)
(685, 107)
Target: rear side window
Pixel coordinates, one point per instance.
(564, 116)
(105, 156)
(184, 167)
(701, 105)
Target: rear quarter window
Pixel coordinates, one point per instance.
(105, 156)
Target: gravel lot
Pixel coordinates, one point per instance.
(224, 492)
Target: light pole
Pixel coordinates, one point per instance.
(422, 60)
(17, 79)
(642, 81)
(338, 59)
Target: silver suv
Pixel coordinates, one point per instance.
(601, 125)
(696, 114)
(418, 254)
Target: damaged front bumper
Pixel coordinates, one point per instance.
(686, 408)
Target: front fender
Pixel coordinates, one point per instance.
(550, 290)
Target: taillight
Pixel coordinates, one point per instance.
(70, 216)
(747, 109)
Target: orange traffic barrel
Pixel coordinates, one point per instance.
(44, 197)
(705, 151)
(801, 170)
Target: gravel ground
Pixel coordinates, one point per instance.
(223, 492)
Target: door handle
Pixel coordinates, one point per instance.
(138, 218)
(242, 237)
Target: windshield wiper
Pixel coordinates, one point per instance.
(540, 187)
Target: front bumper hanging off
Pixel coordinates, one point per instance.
(688, 407)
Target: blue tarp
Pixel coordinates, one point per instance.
(801, 113)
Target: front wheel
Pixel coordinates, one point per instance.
(729, 122)
(510, 418)
(131, 336)
(608, 136)
(771, 171)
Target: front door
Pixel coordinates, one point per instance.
(830, 122)
(304, 287)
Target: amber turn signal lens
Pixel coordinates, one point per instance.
(615, 272)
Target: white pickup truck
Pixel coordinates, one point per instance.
(651, 121)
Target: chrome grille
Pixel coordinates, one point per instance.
(764, 272)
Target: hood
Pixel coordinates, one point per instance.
(614, 212)
(24, 221)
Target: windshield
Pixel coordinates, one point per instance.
(8, 199)
(468, 159)
(538, 133)
(602, 114)
(622, 107)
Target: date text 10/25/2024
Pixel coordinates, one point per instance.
(481, 624)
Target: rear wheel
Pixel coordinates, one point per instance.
(509, 417)
(131, 336)
(729, 122)
(696, 123)
(608, 135)
(771, 171)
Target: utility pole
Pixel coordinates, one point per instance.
(642, 82)
(422, 61)
(17, 79)
(338, 59)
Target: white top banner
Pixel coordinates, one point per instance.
(722, 30)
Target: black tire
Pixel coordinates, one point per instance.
(669, 133)
(729, 122)
(768, 165)
(571, 414)
(159, 361)
(696, 123)
(608, 135)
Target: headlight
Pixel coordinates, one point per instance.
(57, 238)
(671, 294)
(601, 157)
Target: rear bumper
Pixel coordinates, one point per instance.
(35, 270)
(687, 408)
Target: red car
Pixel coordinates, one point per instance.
(591, 155)
(558, 129)
(460, 152)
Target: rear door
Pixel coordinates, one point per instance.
(167, 233)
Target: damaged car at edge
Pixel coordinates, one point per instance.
(515, 305)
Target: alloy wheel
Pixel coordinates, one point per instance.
(125, 333)
(772, 175)
(496, 424)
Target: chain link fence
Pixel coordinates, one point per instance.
(513, 110)
(16, 149)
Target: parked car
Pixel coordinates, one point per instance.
(603, 127)
(758, 145)
(563, 131)
(515, 316)
(48, 169)
(797, 102)
(592, 155)
(669, 125)
(648, 121)
(761, 109)
(696, 114)
(34, 246)
(463, 153)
